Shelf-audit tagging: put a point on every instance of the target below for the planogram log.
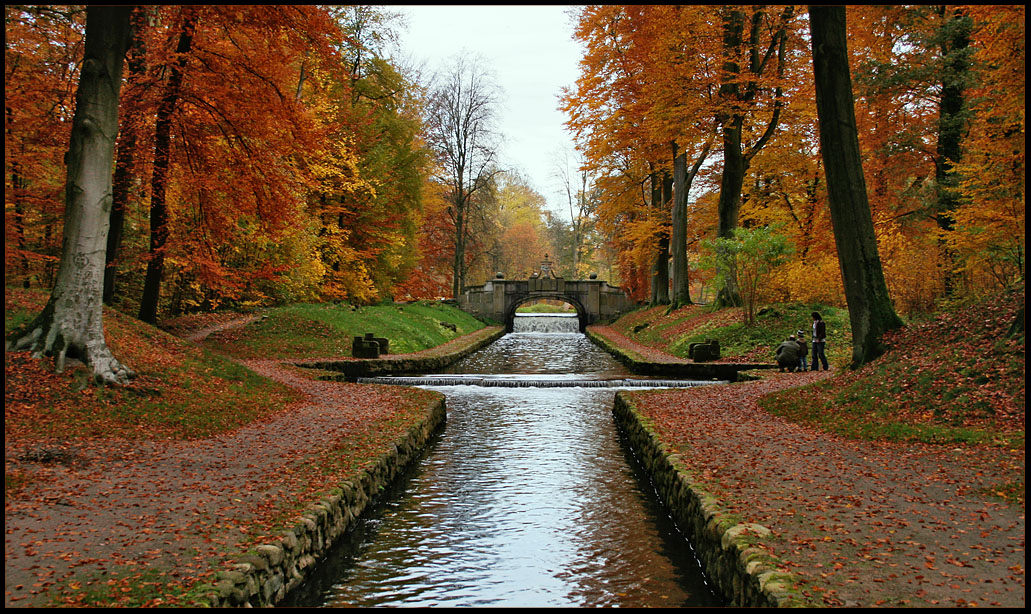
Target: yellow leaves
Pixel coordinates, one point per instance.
(912, 266)
(815, 280)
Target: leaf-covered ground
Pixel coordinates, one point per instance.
(898, 484)
(136, 496)
(125, 508)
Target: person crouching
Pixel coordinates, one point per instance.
(788, 354)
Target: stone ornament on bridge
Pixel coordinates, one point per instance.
(545, 271)
(545, 279)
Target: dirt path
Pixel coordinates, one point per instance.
(198, 335)
(860, 523)
(171, 504)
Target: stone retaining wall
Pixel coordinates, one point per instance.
(350, 370)
(742, 573)
(723, 371)
(265, 575)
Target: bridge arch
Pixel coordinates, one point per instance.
(582, 314)
(595, 301)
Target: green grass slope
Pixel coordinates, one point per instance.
(327, 330)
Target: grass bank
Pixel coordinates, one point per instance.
(327, 330)
(186, 391)
(674, 332)
(956, 377)
(180, 391)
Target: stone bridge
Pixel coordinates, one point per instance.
(594, 300)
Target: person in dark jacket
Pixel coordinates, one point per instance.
(819, 343)
(787, 355)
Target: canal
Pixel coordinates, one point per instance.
(528, 498)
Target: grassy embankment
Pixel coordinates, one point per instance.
(954, 377)
(327, 330)
(674, 332)
(181, 390)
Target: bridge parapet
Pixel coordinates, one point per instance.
(594, 300)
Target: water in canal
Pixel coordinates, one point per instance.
(528, 498)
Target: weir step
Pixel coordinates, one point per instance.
(489, 382)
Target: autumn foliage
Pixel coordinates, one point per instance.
(270, 154)
(651, 76)
(269, 166)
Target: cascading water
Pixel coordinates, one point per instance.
(545, 323)
(527, 499)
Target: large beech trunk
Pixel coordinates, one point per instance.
(71, 323)
(869, 306)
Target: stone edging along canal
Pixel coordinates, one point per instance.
(723, 371)
(430, 360)
(265, 575)
(743, 575)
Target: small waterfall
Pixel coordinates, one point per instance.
(489, 382)
(546, 323)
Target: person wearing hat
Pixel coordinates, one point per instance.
(803, 351)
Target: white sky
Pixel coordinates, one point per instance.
(532, 54)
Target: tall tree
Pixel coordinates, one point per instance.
(43, 48)
(126, 152)
(662, 198)
(750, 62)
(683, 177)
(989, 237)
(462, 112)
(162, 160)
(581, 200)
(870, 310)
(954, 43)
(71, 323)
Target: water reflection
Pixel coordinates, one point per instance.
(526, 500)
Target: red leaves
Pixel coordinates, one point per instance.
(858, 522)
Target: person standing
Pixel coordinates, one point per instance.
(819, 343)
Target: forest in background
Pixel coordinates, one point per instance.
(276, 154)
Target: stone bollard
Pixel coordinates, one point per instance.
(704, 351)
(370, 346)
(384, 343)
(365, 347)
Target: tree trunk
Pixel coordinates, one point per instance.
(71, 324)
(458, 266)
(870, 310)
(678, 239)
(735, 91)
(660, 265)
(734, 163)
(682, 180)
(123, 167)
(955, 33)
(159, 179)
(18, 185)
